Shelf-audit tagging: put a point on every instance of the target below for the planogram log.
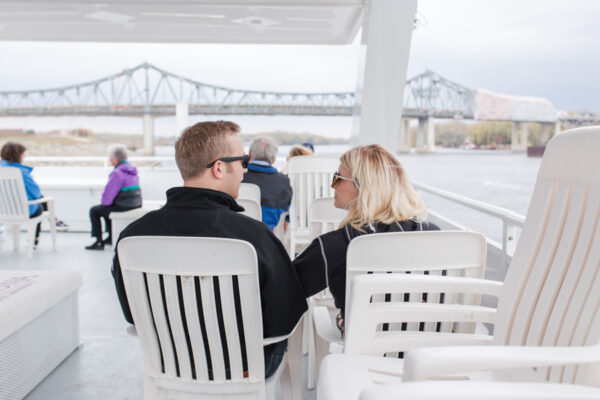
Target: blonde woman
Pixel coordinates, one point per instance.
(371, 184)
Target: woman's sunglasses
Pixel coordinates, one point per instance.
(245, 160)
(337, 177)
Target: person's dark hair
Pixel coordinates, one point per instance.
(202, 143)
(309, 145)
(12, 151)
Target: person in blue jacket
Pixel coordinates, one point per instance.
(12, 155)
(275, 188)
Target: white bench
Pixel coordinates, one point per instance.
(120, 219)
(39, 326)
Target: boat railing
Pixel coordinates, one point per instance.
(147, 161)
(511, 222)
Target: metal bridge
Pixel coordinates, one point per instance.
(148, 90)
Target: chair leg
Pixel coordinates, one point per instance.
(310, 338)
(16, 233)
(321, 350)
(52, 222)
(294, 359)
(151, 392)
(305, 334)
(30, 239)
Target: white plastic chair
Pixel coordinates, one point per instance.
(251, 208)
(249, 198)
(121, 219)
(14, 209)
(171, 284)
(547, 327)
(400, 305)
(310, 178)
(323, 217)
(461, 390)
(281, 233)
(249, 191)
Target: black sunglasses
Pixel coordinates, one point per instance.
(337, 177)
(245, 160)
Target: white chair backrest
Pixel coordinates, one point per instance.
(249, 191)
(186, 294)
(434, 253)
(251, 208)
(310, 177)
(551, 293)
(13, 198)
(324, 217)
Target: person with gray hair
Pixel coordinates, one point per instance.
(121, 193)
(275, 188)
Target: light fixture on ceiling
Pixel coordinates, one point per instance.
(254, 21)
(181, 15)
(107, 16)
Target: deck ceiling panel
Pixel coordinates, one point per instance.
(227, 21)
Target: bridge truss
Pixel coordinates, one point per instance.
(146, 89)
(431, 95)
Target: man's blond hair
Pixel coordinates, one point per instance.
(201, 144)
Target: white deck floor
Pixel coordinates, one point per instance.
(108, 364)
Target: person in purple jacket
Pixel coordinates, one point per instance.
(121, 193)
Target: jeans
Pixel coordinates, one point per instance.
(101, 211)
(273, 359)
(43, 207)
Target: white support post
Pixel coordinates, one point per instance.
(557, 128)
(181, 117)
(385, 46)
(148, 135)
(404, 141)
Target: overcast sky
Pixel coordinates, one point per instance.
(546, 48)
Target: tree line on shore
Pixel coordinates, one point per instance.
(484, 134)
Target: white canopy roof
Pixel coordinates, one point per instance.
(206, 21)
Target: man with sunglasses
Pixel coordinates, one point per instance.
(210, 157)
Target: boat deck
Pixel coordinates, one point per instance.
(108, 364)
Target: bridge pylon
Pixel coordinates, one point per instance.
(404, 136)
(426, 135)
(148, 122)
(519, 137)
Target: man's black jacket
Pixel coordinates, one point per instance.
(209, 213)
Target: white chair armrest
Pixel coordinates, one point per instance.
(438, 284)
(469, 390)
(276, 339)
(324, 326)
(428, 362)
(41, 200)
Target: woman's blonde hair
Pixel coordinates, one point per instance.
(384, 192)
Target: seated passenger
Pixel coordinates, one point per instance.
(299, 150)
(12, 155)
(210, 157)
(296, 150)
(275, 189)
(371, 184)
(121, 193)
